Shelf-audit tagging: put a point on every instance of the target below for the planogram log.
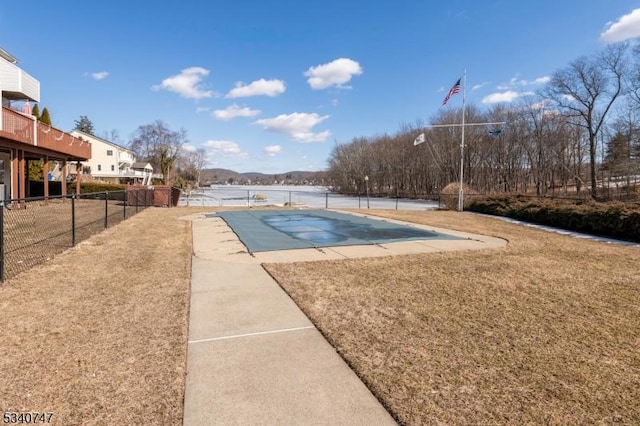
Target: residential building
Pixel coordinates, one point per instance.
(23, 139)
(113, 163)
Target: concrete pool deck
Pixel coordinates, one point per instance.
(253, 356)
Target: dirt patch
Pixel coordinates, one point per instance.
(546, 330)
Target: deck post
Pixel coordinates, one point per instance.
(45, 175)
(1, 241)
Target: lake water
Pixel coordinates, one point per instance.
(296, 196)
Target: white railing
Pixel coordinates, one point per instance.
(14, 79)
(134, 173)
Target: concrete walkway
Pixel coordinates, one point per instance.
(253, 356)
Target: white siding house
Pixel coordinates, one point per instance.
(113, 163)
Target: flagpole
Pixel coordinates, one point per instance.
(461, 191)
(422, 138)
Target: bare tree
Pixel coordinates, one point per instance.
(586, 90)
(112, 136)
(159, 145)
(200, 162)
(551, 142)
(634, 78)
(191, 164)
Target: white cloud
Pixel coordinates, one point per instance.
(272, 150)
(260, 87)
(188, 147)
(626, 27)
(187, 84)
(234, 111)
(297, 125)
(226, 149)
(479, 86)
(541, 105)
(536, 82)
(335, 73)
(542, 80)
(508, 96)
(202, 109)
(98, 75)
(517, 82)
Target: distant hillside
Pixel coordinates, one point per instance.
(224, 176)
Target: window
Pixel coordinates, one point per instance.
(99, 167)
(113, 168)
(109, 152)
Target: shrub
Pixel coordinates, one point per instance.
(450, 194)
(615, 219)
(91, 187)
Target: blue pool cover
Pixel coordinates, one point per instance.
(267, 230)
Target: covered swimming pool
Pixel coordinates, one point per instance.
(268, 230)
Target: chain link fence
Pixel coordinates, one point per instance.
(33, 230)
(319, 198)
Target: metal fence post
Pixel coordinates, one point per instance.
(326, 200)
(1, 241)
(248, 200)
(125, 205)
(73, 220)
(106, 209)
(289, 198)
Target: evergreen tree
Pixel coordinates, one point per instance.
(45, 118)
(84, 125)
(36, 112)
(36, 166)
(618, 155)
(36, 170)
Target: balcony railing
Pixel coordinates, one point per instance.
(17, 84)
(134, 173)
(17, 127)
(59, 141)
(20, 128)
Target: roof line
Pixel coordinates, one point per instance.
(102, 140)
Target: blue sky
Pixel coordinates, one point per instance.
(273, 86)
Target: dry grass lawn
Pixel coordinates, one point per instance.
(44, 229)
(544, 331)
(98, 335)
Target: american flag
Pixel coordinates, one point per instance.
(454, 89)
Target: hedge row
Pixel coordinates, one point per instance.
(89, 187)
(615, 219)
(36, 188)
